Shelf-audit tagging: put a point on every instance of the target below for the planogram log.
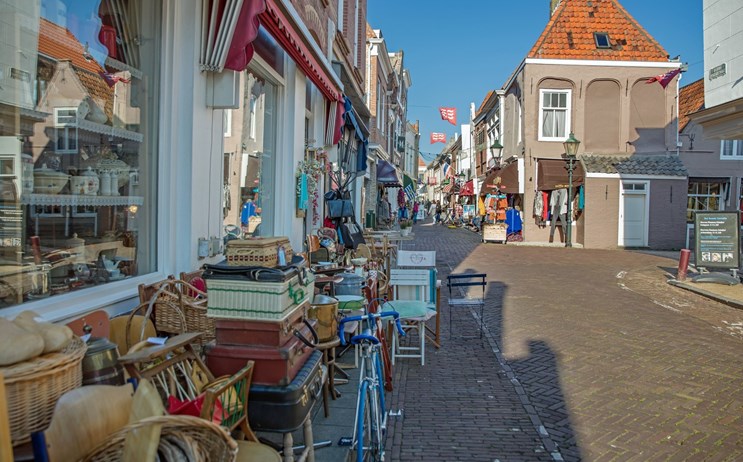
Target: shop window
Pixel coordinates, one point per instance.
(704, 196)
(258, 182)
(554, 115)
(78, 125)
(731, 149)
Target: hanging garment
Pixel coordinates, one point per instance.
(513, 221)
(537, 212)
(545, 206)
(559, 201)
(581, 197)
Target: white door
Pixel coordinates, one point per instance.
(634, 220)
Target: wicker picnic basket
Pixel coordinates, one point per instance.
(203, 440)
(176, 307)
(33, 388)
(257, 251)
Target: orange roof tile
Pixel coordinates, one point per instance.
(59, 43)
(484, 102)
(569, 34)
(691, 99)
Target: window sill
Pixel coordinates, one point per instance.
(56, 308)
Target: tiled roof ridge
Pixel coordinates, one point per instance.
(639, 27)
(484, 102)
(548, 28)
(550, 44)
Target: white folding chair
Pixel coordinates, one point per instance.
(425, 259)
(415, 308)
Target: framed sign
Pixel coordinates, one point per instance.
(717, 239)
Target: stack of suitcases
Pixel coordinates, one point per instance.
(260, 311)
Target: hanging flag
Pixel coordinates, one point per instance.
(113, 79)
(438, 137)
(449, 114)
(446, 169)
(664, 79)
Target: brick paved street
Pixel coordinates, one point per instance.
(588, 355)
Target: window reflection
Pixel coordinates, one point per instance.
(76, 149)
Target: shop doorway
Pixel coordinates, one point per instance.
(633, 214)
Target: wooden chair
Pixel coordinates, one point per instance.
(411, 298)
(426, 259)
(176, 369)
(6, 447)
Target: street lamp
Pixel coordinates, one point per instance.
(496, 149)
(571, 149)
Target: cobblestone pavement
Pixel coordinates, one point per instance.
(587, 355)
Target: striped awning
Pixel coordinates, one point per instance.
(447, 188)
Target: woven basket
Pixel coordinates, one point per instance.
(260, 251)
(208, 441)
(33, 388)
(174, 301)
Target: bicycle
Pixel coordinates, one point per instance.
(370, 422)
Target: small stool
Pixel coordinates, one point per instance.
(328, 358)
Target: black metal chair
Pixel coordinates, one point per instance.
(460, 294)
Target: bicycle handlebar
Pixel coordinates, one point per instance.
(365, 317)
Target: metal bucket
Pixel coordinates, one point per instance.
(350, 285)
(101, 364)
(326, 315)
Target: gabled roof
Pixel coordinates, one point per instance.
(58, 42)
(484, 103)
(691, 99)
(569, 34)
(635, 165)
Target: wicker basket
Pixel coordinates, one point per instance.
(208, 441)
(33, 388)
(259, 251)
(172, 302)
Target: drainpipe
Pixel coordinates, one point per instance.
(678, 85)
(501, 113)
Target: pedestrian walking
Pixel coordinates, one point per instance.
(432, 211)
(437, 217)
(415, 212)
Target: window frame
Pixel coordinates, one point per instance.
(720, 196)
(567, 110)
(596, 36)
(66, 128)
(737, 146)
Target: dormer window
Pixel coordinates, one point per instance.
(602, 40)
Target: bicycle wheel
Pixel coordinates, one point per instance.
(367, 447)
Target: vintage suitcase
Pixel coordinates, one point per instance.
(266, 333)
(273, 365)
(260, 251)
(284, 409)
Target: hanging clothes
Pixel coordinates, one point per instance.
(513, 221)
(581, 197)
(559, 201)
(545, 206)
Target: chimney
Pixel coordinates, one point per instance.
(553, 5)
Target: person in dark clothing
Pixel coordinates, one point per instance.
(437, 218)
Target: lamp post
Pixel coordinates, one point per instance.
(496, 148)
(571, 149)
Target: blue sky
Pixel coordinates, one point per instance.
(458, 51)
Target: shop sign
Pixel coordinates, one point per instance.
(717, 71)
(717, 239)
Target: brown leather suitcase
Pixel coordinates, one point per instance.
(266, 333)
(273, 365)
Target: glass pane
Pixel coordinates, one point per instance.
(546, 100)
(256, 167)
(548, 124)
(727, 148)
(563, 100)
(739, 148)
(88, 217)
(560, 124)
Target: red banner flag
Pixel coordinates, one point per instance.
(438, 137)
(449, 114)
(664, 79)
